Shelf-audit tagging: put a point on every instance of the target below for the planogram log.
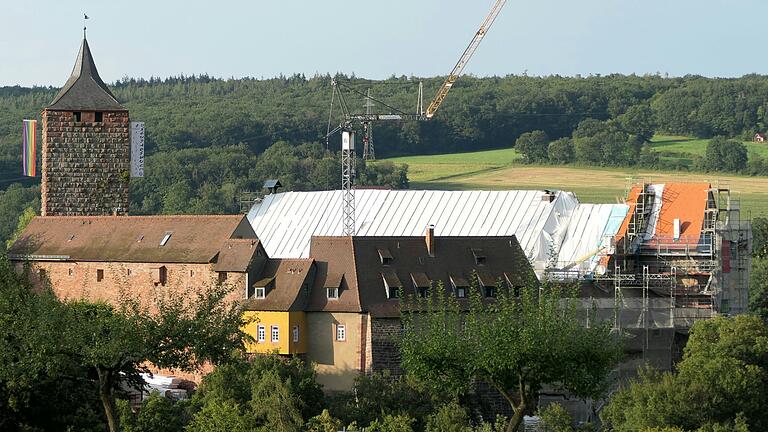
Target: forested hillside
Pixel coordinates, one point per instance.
(207, 138)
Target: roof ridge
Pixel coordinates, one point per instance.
(238, 216)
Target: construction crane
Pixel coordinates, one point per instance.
(456, 72)
(395, 114)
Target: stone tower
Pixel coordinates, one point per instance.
(86, 147)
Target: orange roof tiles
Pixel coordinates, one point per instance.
(684, 201)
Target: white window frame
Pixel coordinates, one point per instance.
(341, 333)
(329, 290)
(274, 333)
(261, 333)
(295, 334)
(260, 290)
(464, 292)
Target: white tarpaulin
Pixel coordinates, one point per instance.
(285, 222)
(137, 149)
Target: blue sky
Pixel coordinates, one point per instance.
(376, 39)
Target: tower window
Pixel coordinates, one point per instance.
(99, 117)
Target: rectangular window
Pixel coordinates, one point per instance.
(341, 332)
(261, 334)
(516, 291)
(42, 274)
(77, 116)
(261, 292)
(71, 272)
(489, 291)
(191, 273)
(222, 277)
(295, 333)
(333, 292)
(275, 331)
(99, 275)
(99, 117)
(423, 292)
(128, 272)
(393, 292)
(461, 292)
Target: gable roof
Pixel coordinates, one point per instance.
(286, 278)
(193, 239)
(84, 90)
(335, 264)
(237, 254)
(359, 257)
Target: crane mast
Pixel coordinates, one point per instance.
(367, 118)
(456, 72)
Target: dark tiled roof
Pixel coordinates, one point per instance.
(193, 239)
(284, 279)
(411, 265)
(84, 90)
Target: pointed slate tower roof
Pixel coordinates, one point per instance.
(84, 90)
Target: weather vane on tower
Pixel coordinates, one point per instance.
(85, 17)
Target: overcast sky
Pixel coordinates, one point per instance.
(376, 39)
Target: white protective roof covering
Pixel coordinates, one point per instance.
(589, 235)
(285, 222)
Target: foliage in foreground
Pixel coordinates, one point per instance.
(45, 340)
(517, 345)
(720, 383)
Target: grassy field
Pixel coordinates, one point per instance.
(499, 169)
(684, 148)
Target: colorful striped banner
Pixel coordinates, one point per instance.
(29, 148)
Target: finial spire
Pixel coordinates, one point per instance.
(85, 17)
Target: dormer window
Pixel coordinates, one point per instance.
(460, 286)
(259, 289)
(479, 256)
(385, 256)
(421, 284)
(487, 283)
(392, 284)
(516, 289)
(333, 286)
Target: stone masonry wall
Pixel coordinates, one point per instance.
(86, 165)
(384, 352)
(79, 280)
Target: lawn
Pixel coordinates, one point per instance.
(500, 169)
(684, 148)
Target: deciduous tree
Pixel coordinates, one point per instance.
(516, 345)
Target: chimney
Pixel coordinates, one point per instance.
(430, 240)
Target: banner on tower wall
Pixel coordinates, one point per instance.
(137, 149)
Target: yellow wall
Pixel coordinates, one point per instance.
(337, 363)
(285, 321)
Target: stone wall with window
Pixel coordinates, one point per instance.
(110, 281)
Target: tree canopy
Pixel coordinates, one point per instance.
(721, 381)
(516, 345)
